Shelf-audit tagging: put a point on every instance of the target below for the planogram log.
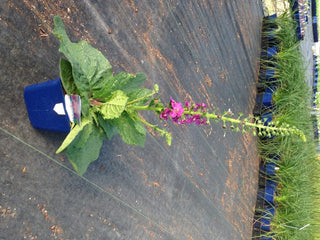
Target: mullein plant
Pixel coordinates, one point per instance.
(110, 105)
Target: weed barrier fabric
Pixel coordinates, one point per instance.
(202, 187)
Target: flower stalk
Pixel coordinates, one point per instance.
(199, 115)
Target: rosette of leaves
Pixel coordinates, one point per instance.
(107, 100)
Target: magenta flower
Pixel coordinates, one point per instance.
(187, 104)
(183, 121)
(177, 110)
(164, 115)
(201, 106)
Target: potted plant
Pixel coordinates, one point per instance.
(110, 105)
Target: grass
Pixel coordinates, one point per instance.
(298, 193)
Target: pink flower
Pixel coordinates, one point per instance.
(202, 106)
(164, 115)
(187, 104)
(177, 110)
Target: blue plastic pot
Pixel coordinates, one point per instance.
(272, 51)
(270, 76)
(267, 218)
(267, 97)
(272, 37)
(270, 192)
(269, 73)
(270, 169)
(273, 16)
(43, 101)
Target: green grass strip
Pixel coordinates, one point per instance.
(298, 175)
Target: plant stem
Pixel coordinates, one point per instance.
(94, 102)
(155, 127)
(146, 108)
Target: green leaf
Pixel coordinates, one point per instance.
(133, 114)
(78, 135)
(108, 129)
(132, 132)
(85, 106)
(90, 69)
(122, 81)
(136, 82)
(81, 157)
(142, 95)
(117, 82)
(113, 106)
(67, 78)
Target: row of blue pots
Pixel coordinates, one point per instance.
(301, 11)
(314, 20)
(315, 90)
(315, 75)
(265, 208)
(267, 73)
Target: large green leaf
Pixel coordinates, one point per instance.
(117, 82)
(136, 82)
(139, 96)
(108, 129)
(122, 81)
(113, 106)
(132, 132)
(90, 69)
(78, 135)
(81, 157)
(67, 78)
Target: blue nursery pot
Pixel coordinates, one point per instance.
(270, 76)
(46, 106)
(272, 36)
(270, 192)
(270, 168)
(267, 218)
(269, 73)
(272, 51)
(273, 16)
(267, 97)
